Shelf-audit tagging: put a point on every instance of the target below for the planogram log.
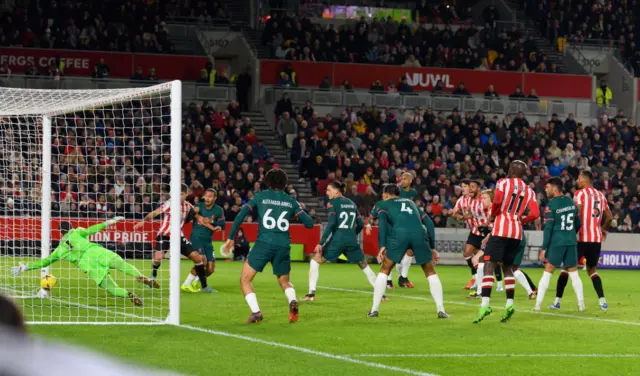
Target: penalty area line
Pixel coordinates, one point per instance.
(631, 323)
(306, 351)
(495, 355)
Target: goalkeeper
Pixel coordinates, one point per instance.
(92, 259)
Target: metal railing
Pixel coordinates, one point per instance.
(190, 90)
(342, 98)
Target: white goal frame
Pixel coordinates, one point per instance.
(39, 103)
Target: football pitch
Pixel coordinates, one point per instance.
(334, 337)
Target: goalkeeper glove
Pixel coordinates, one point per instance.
(113, 221)
(17, 270)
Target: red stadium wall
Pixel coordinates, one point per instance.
(423, 79)
(122, 65)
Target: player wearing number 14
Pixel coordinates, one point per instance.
(559, 242)
(274, 208)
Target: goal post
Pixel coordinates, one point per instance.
(73, 159)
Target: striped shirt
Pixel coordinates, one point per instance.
(463, 205)
(480, 214)
(512, 198)
(594, 204)
(165, 228)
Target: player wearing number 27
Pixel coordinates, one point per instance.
(274, 208)
(559, 244)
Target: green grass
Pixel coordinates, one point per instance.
(335, 325)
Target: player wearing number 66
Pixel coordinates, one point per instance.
(274, 209)
(559, 244)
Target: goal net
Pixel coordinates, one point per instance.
(72, 159)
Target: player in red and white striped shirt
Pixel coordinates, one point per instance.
(461, 212)
(163, 239)
(596, 218)
(512, 197)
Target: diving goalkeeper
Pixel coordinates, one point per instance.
(92, 259)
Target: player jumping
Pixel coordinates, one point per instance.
(512, 198)
(210, 221)
(340, 236)
(559, 242)
(92, 259)
(274, 208)
(163, 240)
(596, 217)
(408, 230)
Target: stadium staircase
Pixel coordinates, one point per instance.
(254, 38)
(265, 132)
(542, 43)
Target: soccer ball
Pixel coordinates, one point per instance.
(48, 282)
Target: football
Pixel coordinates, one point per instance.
(48, 282)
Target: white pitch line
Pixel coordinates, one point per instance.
(495, 355)
(632, 323)
(306, 351)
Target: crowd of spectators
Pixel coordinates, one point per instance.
(607, 23)
(108, 25)
(368, 147)
(492, 47)
(117, 161)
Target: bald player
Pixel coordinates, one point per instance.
(403, 267)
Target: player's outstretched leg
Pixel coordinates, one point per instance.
(371, 276)
(563, 279)
(290, 293)
(435, 286)
(117, 263)
(112, 288)
(248, 273)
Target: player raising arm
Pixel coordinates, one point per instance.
(340, 237)
(512, 198)
(596, 217)
(210, 219)
(92, 259)
(408, 230)
(163, 240)
(559, 241)
(274, 208)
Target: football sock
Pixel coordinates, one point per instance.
(399, 268)
(542, 287)
(378, 291)
(597, 284)
(479, 275)
(314, 274)
(522, 280)
(470, 264)
(487, 285)
(371, 276)
(562, 283)
(118, 263)
(435, 286)
(510, 288)
(576, 283)
(531, 284)
(112, 287)
(189, 280)
(406, 264)
(156, 266)
(291, 294)
(499, 274)
(252, 301)
(389, 277)
(202, 274)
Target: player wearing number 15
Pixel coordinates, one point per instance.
(340, 236)
(274, 208)
(559, 242)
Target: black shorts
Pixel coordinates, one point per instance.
(475, 240)
(501, 249)
(163, 243)
(590, 251)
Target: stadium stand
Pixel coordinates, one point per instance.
(368, 147)
(110, 25)
(490, 47)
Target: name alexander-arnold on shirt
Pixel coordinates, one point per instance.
(278, 203)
